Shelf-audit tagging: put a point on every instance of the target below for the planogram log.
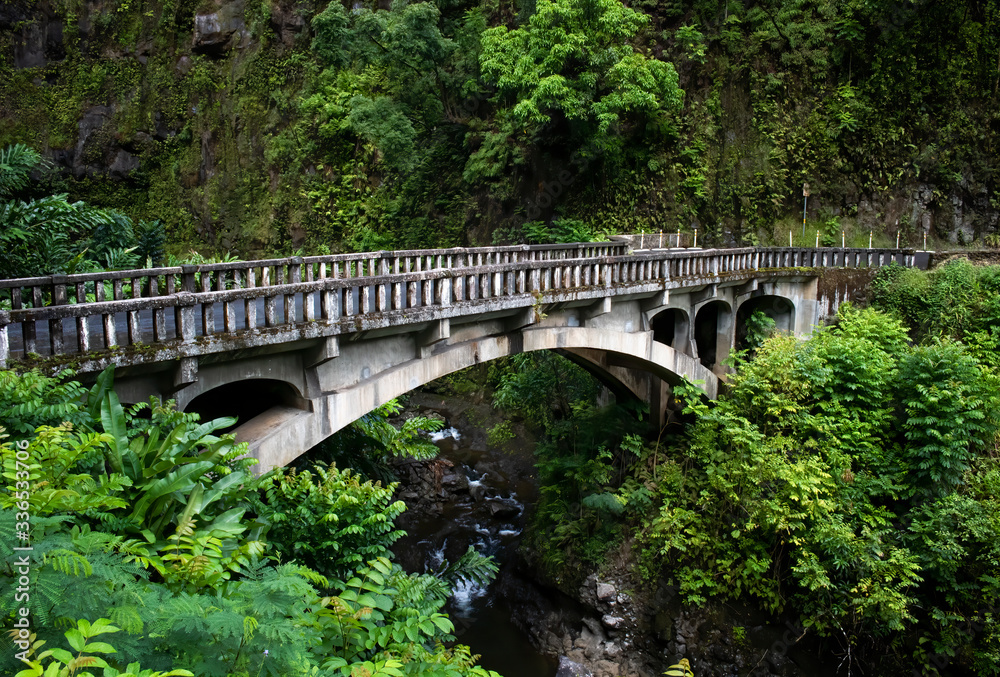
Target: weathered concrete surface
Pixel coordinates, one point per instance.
(386, 323)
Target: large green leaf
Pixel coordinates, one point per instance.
(155, 493)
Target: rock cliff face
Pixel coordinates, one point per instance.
(609, 628)
(165, 113)
(192, 111)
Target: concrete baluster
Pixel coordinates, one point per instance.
(294, 277)
(187, 285)
(444, 291)
(270, 309)
(427, 292)
(107, 319)
(56, 341)
(471, 286)
(4, 336)
(309, 298)
(82, 325)
(132, 317)
(535, 281)
(412, 294)
(250, 302)
(365, 300)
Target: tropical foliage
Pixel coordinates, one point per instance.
(49, 234)
(147, 528)
(850, 479)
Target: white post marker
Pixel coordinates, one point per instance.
(817, 239)
(641, 236)
(695, 245)
(805, 201)
(790, 237)
(678, 237)
(897, 239)
(870, 233)
(925, 240)
(843, 240)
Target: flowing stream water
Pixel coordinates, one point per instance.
(479, 498)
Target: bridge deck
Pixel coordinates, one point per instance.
(152, 315)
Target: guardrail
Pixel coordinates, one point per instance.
(78, 314)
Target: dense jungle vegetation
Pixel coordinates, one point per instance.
(850, 480)
(266, 126)
(155, 551)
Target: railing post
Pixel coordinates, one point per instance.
(134, 326)
(4, 336)
(55, 326)
(183, 314)
(185, 319)
(82, 326)
(443, 295)
(250, 302)
(294, 277)
(187, 277)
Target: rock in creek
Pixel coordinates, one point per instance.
(568, 668)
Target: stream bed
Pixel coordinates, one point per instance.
(476, 494)
(472, 494)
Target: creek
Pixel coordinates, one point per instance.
(472, 494)
(475, 494)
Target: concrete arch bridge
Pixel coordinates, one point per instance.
(304, 346)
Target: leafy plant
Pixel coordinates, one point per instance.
(64, 664)
(329, 519)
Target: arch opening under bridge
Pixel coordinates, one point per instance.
(282, 433)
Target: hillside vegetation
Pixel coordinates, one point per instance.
(266, 126)
(849, 481)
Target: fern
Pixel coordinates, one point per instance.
(471, 567)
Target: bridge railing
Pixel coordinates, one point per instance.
(203, 303)
(35, 292)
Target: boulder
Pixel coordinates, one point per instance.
(568, 668)
(611, 621)
(606, 592)
(216, 32)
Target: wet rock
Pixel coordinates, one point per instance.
(612, 621)
(184, 65)
(504, 509)
(95, 142)
(124, 164)
(217, 32)
(606, 592)
(568, 668)
(287, 23)
(607, 669)
(594, 626)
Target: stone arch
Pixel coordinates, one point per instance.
(713, 333)
(283, 433)
(778, 308)
(671, 327)
(243, 399)
(285, 368)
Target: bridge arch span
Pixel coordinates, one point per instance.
(243, 399)
(281, 434)
(779, 308)
(713, 326)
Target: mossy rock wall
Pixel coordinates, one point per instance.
(192, 111)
